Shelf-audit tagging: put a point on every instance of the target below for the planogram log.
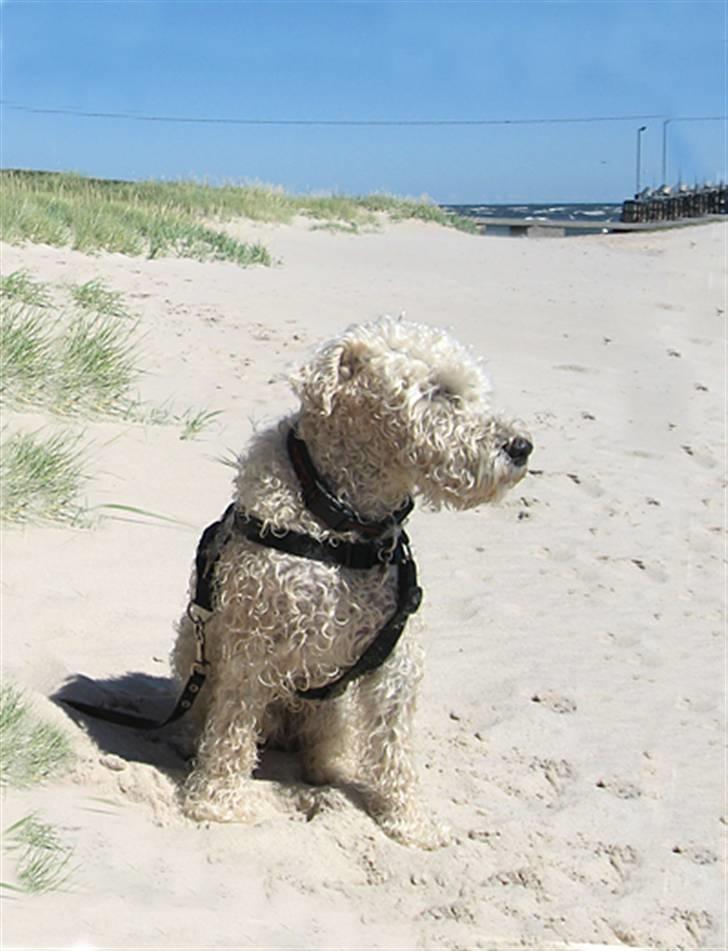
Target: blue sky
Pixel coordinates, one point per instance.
(374, 60)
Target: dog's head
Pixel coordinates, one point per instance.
(418, 401)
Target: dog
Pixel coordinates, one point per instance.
(389, 410)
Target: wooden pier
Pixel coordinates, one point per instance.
(539, 228)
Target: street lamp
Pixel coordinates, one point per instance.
(642, 128)
(665, 123)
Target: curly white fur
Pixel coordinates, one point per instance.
(388, 410)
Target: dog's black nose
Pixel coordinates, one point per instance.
(519, 449)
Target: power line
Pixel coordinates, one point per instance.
(220, 120)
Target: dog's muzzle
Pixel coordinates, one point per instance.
(518, 449)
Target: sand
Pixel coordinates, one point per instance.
(570, 727)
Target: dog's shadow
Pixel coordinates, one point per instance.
(165, 748)
(138, 695)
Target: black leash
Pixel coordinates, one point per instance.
(209, 549)
(387, 544)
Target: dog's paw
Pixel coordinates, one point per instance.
(414, 828)
(212, 802)
(199, 810)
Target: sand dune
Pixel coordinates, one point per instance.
(570, 727)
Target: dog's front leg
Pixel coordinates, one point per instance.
(387, 702)
(220, 787)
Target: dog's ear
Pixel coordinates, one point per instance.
(321, 382)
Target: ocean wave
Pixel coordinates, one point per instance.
(603, 211)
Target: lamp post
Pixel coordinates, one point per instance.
(642, 128)
(665, 124)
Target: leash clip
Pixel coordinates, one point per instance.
(199, 617)
(387, 545)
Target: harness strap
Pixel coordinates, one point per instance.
(335, 514)
(409, 598)
(357, 555)
(209, 548)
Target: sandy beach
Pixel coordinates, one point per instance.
(570, 729)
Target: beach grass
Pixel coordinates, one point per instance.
(21, 288)
(156, 218)
(41, 477)
(78, 364)
(85, 364)
(95, 366)
(31, 750)
(26, 353)
(43, 859)
(194, 422)
(96, 298)
(91, 215)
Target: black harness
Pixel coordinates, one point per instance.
(386, 543)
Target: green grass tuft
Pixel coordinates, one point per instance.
(20, 287)
(193, 423)
(85, 365)
(96, 298)
(95, 366)
(31, 751)
(41, 477)
(43, 858)
(26, 354)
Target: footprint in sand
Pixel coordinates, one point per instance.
(696, 853)
(509, 880)
(556, 702)
(652, 570)
(620, 788)
(554, 777)
(460, 910)
(600, 863)
(484, 835)
(702, 457)
(698, 924)
(534, 779)
(589, 485)
(699, 705)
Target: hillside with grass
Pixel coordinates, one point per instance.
(156, 218)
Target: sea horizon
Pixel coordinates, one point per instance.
(597, 212)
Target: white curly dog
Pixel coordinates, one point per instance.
(389, 410)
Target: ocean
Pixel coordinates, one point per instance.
(591, 212)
